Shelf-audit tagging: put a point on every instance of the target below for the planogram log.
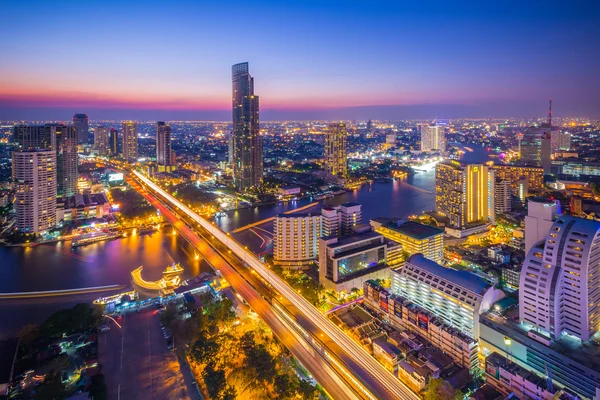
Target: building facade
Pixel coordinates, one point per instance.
(541, 213)
(65, 139)
(101, 140)
(414, 237)
(163, 147)
(536, 146)
(296, 239)
(461, 193)
(27, 137)
(34, 173)
(336, 156)
(130, 141)
(433, 138)
(350, 216)
(247, 143)
(113, 142)
(561, 141)
(534, 176)
(560, 280)
(82, 127)
(331, 221)
(502, 197)
(456, 297)
(346, 263)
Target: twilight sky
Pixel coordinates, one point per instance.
(321, 59)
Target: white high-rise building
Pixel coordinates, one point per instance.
(350, 216)
(331, 222)
(34, 172)
(433, 138)
(502, 197)
(130, 141)
(296, 239)
(540, 216)
(560, 140)
(101, 142)
(560, 280)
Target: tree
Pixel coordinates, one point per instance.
(79, 318)
(52, 388)
(214, 380)
(28, 335)
(169, 315)
(204, 349)
(307, 390)
(438, 389)
(284, 386)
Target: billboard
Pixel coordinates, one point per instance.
(423, 321)
(115, 177)
(412, 318)
(491, 369)
(398, 310)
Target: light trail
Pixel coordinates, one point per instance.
(62, 292)
(394, 387)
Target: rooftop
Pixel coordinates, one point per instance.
(350, 204)
(414, 229)
(462, 278)
(355, 238)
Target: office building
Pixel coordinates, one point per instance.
(414, 237)
(461, 195)
(247, 143)
(163, 147)
(296, 239)
(502, 197)
(113, 142)
(82, 206)
(536, 146)
(26, 137)
(576, 205)
(335, 150)
(534, 176)
(456, 297)
(130, 141)
(391, 139)
(80, 122)
(64, 138)
(541, 213)
(560, 281)
(101, 140)
(350, 216)
(34, 173)
(433, 138)
(405, 315)
(561, 141)
(369, 126)
(347, 262)
(331, 221)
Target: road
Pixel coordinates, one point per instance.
(312, 361)
(372, 379)
(136, 362)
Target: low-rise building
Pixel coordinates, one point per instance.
(386, 353)
(511, 275)
(414, 237)
(82, 206)
(346, 262)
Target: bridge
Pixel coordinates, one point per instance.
(359, 369)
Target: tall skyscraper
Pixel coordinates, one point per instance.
(80, 122)
(558, 291)
(32, 137)
(536, 144)
(461, 193)
(65, 142)
(101, 140)
(130, 141)
(247, 143)
(433, 138)
(560, 140)
(541, 214)
(336, 162)
(34, 172)
(113, 142)
(163, 147)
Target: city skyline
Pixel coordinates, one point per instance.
(403, 61)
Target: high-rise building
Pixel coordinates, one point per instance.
(456, 297)
(433, 138)
(32, 137)
(502, 197)
(101, 140)
(163, 147)
(513, 173)
(130, 141)
(559, 289)
(369, 126)
(414, 237)
(350, 216)
(576, 205)
(541, 214)
(64, 138)
(34, 172)
(461, 195)
(331, 222)
(247, 143)
(336, 157)
(560, 140)
(296, 239)
(536, 146)
(80, 122)
(113, 142)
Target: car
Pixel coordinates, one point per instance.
(104, 328)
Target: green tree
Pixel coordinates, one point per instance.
(284, 386)
(306, 390)
(204, 349)
(214, 380)
(79, 318)
(169, 315)
(438, 389)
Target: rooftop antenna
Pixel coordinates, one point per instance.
(550, 114)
